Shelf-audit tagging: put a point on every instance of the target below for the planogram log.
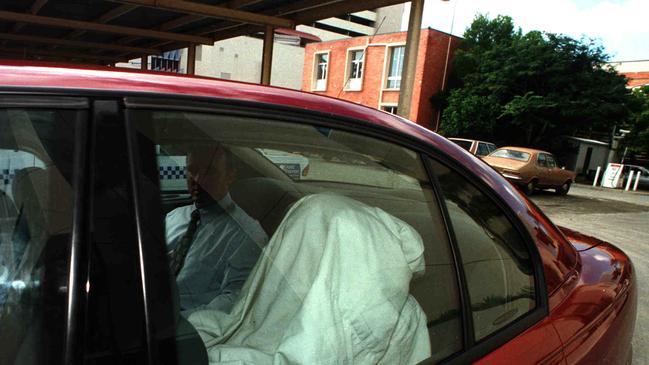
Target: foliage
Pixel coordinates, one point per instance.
(638, 139)
(525, 89)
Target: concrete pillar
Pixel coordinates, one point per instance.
(410, 58)
(144, 63)
(267, 58)
(191, 59)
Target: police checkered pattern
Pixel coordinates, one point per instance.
(171, 172)
(7, 176)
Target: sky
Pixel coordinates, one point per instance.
(621, 26)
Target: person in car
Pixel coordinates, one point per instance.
(213, 244)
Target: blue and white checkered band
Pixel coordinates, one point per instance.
(7, 176)
(171, 172)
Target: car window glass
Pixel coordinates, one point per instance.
(463, 143)
(549, 160)
(492, 147)
(541, 160)
(496, 261)
(483, 150)
(511, 154)
(360, 197)
(36, 158)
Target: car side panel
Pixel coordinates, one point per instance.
(595, 321)
(526, 348)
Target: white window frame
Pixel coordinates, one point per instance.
(386, 69)
(320, 84)
(354, 84)
(382, 105)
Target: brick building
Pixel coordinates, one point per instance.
(636, 71)
(367, 70)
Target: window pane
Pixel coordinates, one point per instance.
(36, 158)
(395, 68)
(482, 149)
(497, 264)
(353, 247)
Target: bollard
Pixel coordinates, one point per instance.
(628, 180)
(637, 179)
(596, 175)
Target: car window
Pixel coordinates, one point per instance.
(511, 154)
(483, 150)
(491, 147)
(357, 247)
(541, 160)
(496, 262)
(463, 143)
(36, 159)
(549, 160)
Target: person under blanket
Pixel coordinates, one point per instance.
(225, 242)
(331, 287)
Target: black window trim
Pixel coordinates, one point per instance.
(169, 101)
(78, 255)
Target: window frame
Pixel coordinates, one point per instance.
(314, 78)
(388, 63)
(389, 105)
(348, 85)
(471, 350)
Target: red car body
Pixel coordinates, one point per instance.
(590, 285)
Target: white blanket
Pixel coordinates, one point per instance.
(331, 287)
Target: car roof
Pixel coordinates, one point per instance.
(524, 149)
(48, 76)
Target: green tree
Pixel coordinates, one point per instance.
(637, 141)
(527, 88)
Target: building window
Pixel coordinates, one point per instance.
(395, 67)
(389, 108)
(168, 61)
(321, 71)
(355, 67)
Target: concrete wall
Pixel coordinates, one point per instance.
(598, 157)
(240, 59)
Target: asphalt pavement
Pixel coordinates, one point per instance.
(616, 216)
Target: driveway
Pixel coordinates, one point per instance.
(621, 218)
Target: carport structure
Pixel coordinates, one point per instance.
(110, 31)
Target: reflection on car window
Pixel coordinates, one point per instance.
(483, 150)
(496, 263)
(36, 149)
(549, 160)
(511, 154)
(360, 226)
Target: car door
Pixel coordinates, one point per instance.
(42, 226)
(556, 176)
(542, 170)
(367, 168)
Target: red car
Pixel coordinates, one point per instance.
(397, 247)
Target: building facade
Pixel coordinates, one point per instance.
(636, 71)
(367, 70)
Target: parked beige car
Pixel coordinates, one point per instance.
(531, 169)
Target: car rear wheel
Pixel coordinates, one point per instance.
(530, 187)
(563, 189)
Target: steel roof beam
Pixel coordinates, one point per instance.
(211, 11)
(61, 54)
(79, 44)
(96, 27)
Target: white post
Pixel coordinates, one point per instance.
(599, 168)
(637, 179)
(628, 180)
